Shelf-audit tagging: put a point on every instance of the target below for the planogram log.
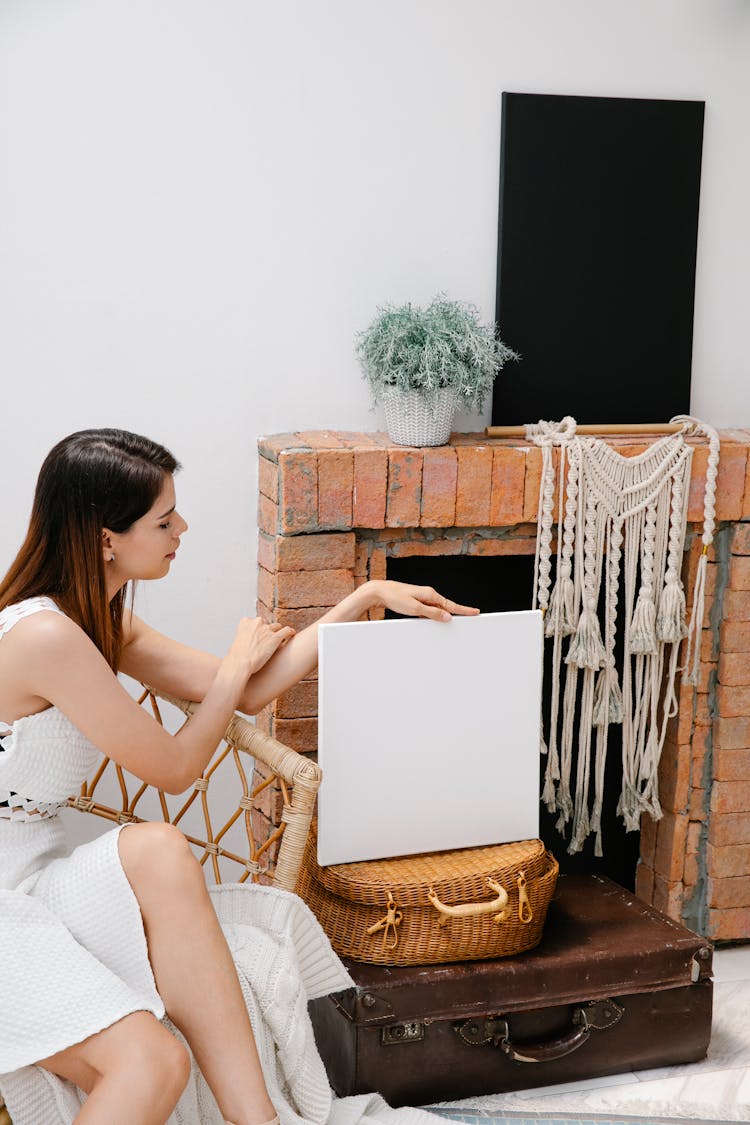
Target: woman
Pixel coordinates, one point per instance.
(98, 944)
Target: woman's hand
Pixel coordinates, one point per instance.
(256, 641)
(417, 601)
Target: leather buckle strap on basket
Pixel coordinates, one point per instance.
(465, 905)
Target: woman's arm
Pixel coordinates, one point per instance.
(55, 661)
(165, 664)
(299, 657)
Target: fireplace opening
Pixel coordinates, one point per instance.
(504, 583)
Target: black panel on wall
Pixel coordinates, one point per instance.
(596, 257)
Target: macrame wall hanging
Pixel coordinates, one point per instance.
(621, 530)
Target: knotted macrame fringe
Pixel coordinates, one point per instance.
(691, 670)
(607, 699)
(621, 533)
(643, 639)
(670, 622)
(561, 615)
(586, 649)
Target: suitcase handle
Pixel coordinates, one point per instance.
(494, 1030)
(596, 1015)
(471, 909)
(552, 1048)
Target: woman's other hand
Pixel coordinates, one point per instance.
(256, 641)
(418, 601)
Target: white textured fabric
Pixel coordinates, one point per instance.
(75, 960)
(74, 951)
(14, 613)
(283, 959)
(38, 782)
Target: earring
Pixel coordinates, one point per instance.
(111, 558)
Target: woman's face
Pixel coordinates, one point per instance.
(147, 548)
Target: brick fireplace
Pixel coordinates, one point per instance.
(334, 506)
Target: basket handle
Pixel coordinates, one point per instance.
(471, 909)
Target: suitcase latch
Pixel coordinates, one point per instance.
(401, 1033)
(476, 1033)
(601, 1014)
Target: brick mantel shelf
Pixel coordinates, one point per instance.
(333, 506)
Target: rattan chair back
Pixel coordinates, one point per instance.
(260, 837)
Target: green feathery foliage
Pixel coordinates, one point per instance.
(443, 345)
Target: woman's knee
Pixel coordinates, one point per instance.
(158, 851)
(147, 1050)
(137, 1047)
(162, 1061)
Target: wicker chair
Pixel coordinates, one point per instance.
(271, 817)
(274, 808)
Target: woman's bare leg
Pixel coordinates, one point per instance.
(134, 1070)
(193, 968)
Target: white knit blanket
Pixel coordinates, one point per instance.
(283, 960)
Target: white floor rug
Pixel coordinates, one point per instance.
(716, 1089)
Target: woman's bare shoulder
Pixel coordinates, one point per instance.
(45, 633)
(37, 647)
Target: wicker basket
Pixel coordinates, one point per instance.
(463, 905)
(412, 419)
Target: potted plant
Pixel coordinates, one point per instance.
(422, 364)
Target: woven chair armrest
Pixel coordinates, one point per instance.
(296, 770)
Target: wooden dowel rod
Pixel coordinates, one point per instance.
(607, 428)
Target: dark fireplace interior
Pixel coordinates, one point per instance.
(498, 584)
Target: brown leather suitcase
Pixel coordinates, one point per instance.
(614, 986)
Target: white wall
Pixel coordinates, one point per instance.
(201, 201)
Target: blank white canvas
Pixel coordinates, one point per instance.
(428, 734)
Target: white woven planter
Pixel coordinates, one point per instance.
(411, 419)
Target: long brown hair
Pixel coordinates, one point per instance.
(90, 480)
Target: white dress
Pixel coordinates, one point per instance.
(73, 953)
